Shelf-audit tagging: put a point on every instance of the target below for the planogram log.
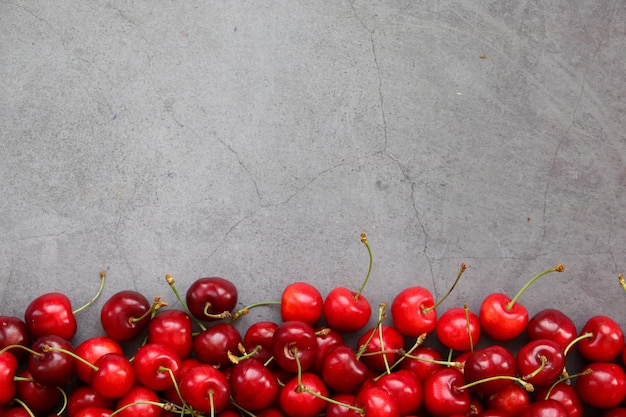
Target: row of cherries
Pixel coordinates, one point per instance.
(194, 361)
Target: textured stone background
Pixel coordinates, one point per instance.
(255, 141)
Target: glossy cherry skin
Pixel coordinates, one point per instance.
(543, 408)
(50, 314)
(342, 371)
(301, 301)
(408, 312)
(607, 341)
(205, 388)
(260, 334)
(566, 395)
(151, 363)
(85, 396)
(377, 402)
(93, 411)
(40, 399)
(346, 312)
(13, 331)
(500, 323)
(213, 344)
(18, 411)
(290, 335)
(172, 328)
(511, 399)
(441, 396)
(405, 388)
(171, 394)
(337, 410)
(604, 387)
(8, 370)
(551, 324)
(325, 341)
(119, 313)
(303, 404)
(115, 376)
(529, 360)
(452, 329)
(52, 368)
(490, 361)
(216, 295)
(91, 350)
(392, 342)
(252, 385)
(425, 367)
(139, 395)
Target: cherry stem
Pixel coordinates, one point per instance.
(23, 404)
(170, 280)
(527, 385)
(462, 269)
(418, 342)
(219, 316)
(156, 305)
(455, 364)
(236, 359)
(534, 373)
(369, 270)
(566, 380)
(95, 297)
(164, 406)
(173, 378)
(381, 317)
(622, 281)
(571, 344)
(64, 405)
(469, 327)
(240, 408)
(558, 268)
(27, 349)
(212, 402)
(48, 348)
(244, 311)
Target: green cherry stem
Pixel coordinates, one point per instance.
(369, 270)
(23, 404)
(462, 269)
(469, 327)
(164, 406)
(95, 297)
(244, 311)
(527, 385)
(571, 344)
(170, 280)
(534, 373)
(558, 268)
(156, 305)
(381, 318)
(566, 379)
(27, 349)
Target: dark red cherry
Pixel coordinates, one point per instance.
(211, 298)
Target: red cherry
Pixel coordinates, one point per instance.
(544, 408)
(93, 411)
(211, 298)
(296, 402)
(412, 313)
(52, 368)
(212, 345)
(540, 362)
(606, 343)
(13, 331)
(252, 385)
(423, 362)
(292, 335)
(551, 324)
(8, 370)
(454, 331)
(489, 362)
(342, 371)
(155, 365)
(125, 315)
(260, 334)
(85, 396)
(510, 399)
(140, 397)
(114, 376)
(441, 393)
(40, 399)
(405, 388)
(603, 387)
(325, 341)
(90, 350)
(16, 412)
(565, 394)
(205, 388)
(377, 402)
(373, 345)
(172, 328)
(301, 301)
(335, 409)
(346, 311)
(51, 314)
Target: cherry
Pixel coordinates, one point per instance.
(90, 350)
(211, 298)
(414, 310)
(51, 314)
(502, 318)
(52, 368)
(380, 347)
(212, 345)
(565, 394)
(292, 335)
(13, 331)
(606, 343)
(337, 406)
(405, 388)
(172, 328)
(260, 334)
(40, 399)
(301, 301)
(551, 324)
(377, 402)
(126, 314)
(349, 311)
(172, 394)
(113, 376)
(156, 366)
(422, 361)
(442, 395)
(93, 411)
(540, 362)
(252, 385)
(488, 362)
(19, 411)
(85, 396)
(510, 399)
(8, 370)
(458, 329)
(300, 397)
(342, 371)
(603, 385)
(543, 408)
(325, 341)
(205, 388)
(139, 401)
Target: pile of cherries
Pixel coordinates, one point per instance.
(322, 358)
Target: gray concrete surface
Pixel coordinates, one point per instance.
(256, 140)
